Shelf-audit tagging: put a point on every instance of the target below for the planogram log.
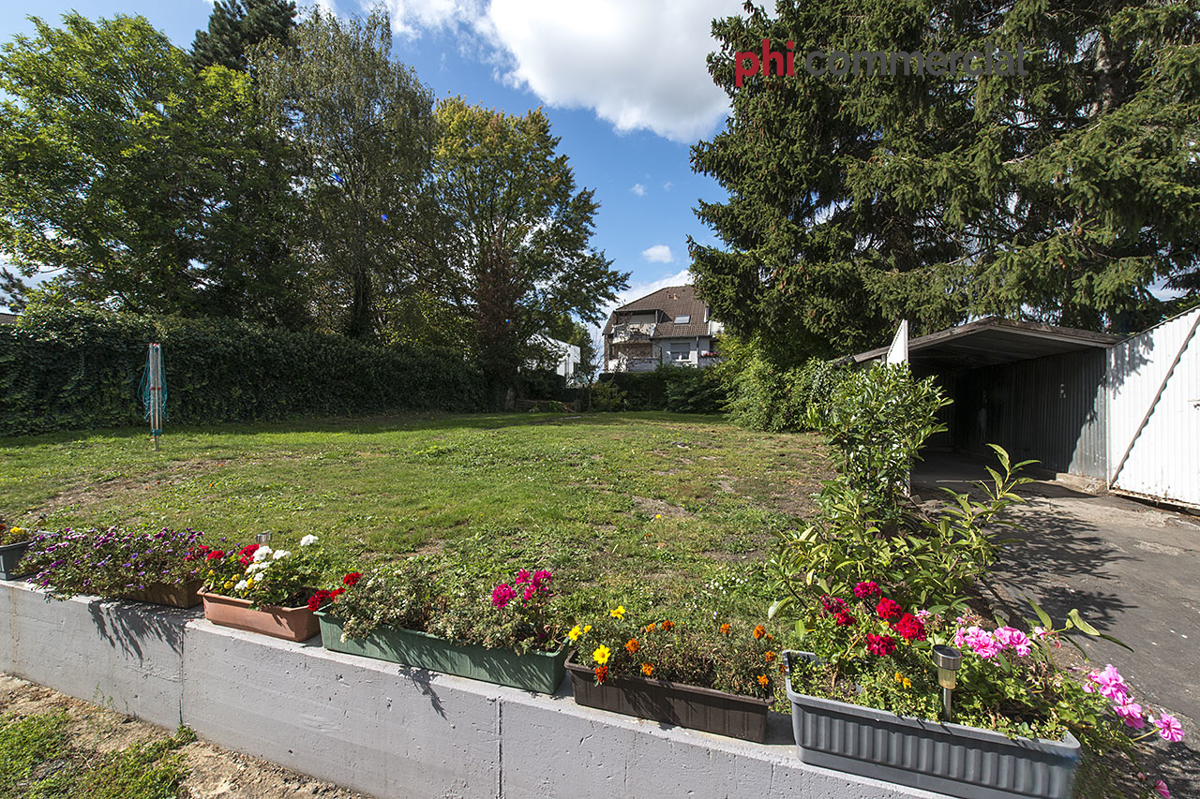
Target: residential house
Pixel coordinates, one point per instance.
(669, 326)
(564, 357)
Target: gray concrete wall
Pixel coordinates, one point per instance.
(381, 728)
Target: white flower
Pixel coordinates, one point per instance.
(240, 586)
(308, 540)
(281, 553)
(261, 553)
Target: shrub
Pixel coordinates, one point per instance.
(81, 368)
(607, 397)
(763, 395)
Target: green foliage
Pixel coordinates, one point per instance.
(26, 743)
(678, 389)
(1061, 196)
(447, 598)
(606, 396)
(738, 658)
(266, 576)
(764, 395)
(693, 391)
(77, 369)
(235, 26)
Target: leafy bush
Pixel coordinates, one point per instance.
(113, 563)
(607, 397)
(429, 595)
(693, 391)
(81, 368)
(763, 395)
(740, 660)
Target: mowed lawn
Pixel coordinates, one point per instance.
(659, 508)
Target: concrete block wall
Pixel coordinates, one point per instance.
(380, 728)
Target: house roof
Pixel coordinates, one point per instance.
(991, 341)
(671, 302)
(8, 318)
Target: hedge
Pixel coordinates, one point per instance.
(77, 369)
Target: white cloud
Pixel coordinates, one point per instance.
(638, 65)
(667, 186)
(638, 189)
(658, 254)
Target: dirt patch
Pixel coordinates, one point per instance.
(212, 771)
(656, 507)
(99, 492)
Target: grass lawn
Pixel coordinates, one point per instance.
(643, 507)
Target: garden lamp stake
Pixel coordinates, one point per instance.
(948, 660)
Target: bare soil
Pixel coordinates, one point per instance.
(212, 771)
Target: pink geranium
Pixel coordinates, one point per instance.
(502, 595)
(1129, 711)
(1015, 639)
(1109, 683)
(867, 589)
(1168, 727)
(1160, 788)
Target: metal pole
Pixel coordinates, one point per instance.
(155, 393)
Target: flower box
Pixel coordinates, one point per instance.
(541, 672)
(704, 709)
(945, 758)
(184, 596)
(10, 559)
(290, 624)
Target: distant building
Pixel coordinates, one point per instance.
(565, 356)
(669, 326)
(8, 318)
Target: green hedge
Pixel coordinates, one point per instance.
(78, 369)
(679, 389)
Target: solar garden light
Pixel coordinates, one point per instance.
(948, 660)
(262, 538)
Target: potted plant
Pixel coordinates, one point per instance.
(868, 699)
(14, 541)
(713, 677)
(413, 614)
(264, 590)
(160, 567)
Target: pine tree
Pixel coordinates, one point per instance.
(237, 25)
(1062, 195)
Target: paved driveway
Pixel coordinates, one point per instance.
(1132, 570)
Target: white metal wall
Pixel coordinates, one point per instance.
(1154, 412)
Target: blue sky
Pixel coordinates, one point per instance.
(623, 82)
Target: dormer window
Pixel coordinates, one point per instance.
(683, 320)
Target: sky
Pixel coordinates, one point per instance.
(623, 82)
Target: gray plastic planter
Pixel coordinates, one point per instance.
(947, 758)
(10, 559)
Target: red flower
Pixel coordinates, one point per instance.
(246, 556)
(833, 604)
(887, 609)
(216, 554)
(316, 599)
(867, 589)
(601, 673)
(909, 626)
(336, 593)
(881, 645)
(844, 619)
(352, 578)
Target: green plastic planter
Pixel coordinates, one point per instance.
(541, 672)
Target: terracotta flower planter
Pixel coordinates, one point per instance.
(689, 706)
(945, 758)
(185, 596)
(533, 671)
(290, 624)
(10, 560)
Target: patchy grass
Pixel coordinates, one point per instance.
(645, 505)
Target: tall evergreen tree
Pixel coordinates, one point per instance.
(1061, 195)
(235, 26)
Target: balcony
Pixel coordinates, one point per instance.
(643, 331)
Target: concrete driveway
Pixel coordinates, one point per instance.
(1132, 570)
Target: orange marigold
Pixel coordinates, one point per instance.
(667, 625)
(647, 669)
(601, 674)
(763, 681)
(633, 646)
(725, 628)
(651, 628)
(760, 631)
(769, 656)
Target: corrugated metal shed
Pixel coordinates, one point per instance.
(1154, 412)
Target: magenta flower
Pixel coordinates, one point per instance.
(888, 609)
(867, 589)
(1014, 638)
(522, 576)
(881, 645)
(529, 592)
(1129, 711)
(1111, 683)
(1168, 727)
(979, 640)
(1160, 788)
(502, 595)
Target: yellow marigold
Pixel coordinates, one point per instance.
(602, 654)
(618, 613)
(576, 631)
(725, 628)
(632, 646)
(763, 681)
(760, 631)
(770, 656)
(647, 669)
(587, 628)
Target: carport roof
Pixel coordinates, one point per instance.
(991, 341)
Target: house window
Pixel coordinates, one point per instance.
(681, 352)
(683, 320)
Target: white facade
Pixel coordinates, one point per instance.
(568, 355)
(695, 351)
